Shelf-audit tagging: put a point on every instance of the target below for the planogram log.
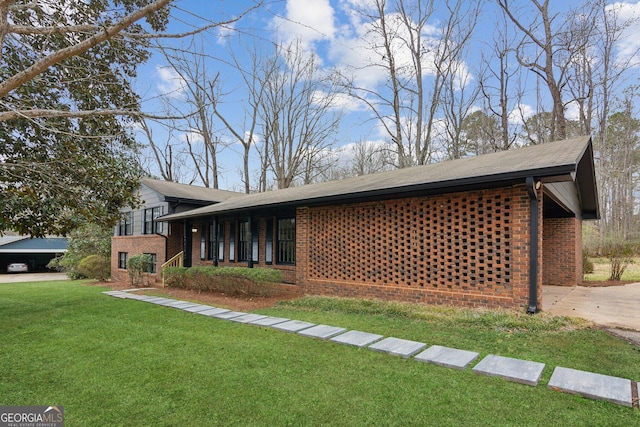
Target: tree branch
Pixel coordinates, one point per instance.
(41, 65)
(42, 113)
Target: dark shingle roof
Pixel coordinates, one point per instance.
(551, 162)
(172, 190)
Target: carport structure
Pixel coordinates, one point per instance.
(35, 252)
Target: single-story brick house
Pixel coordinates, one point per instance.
(482, 231)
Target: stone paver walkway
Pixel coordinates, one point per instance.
(590, 385)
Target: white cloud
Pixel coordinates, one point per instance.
(308, 21)
(224, 32)
(628, 14)
(170, 82)
(521, 113)
(572, 111)
(339, 101)
(193, 137)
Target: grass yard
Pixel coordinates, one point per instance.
(602, 270)
(114, 362)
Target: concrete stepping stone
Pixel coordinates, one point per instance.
(198, 308)
(182, 304)
(142, 297)
(229, 314)
(292, 325)
(520, 371)
(137, 289)
(159, 300)
(269, 321)
(322, 331)
(594, 386)
(448, 357)
(248, 318)
(212, 311)
(357, 338)
(117, 294)
(136, 297)
(398, 347)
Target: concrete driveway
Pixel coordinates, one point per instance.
(611, 306)
(31, 277)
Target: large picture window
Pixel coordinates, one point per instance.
(268, 250)
(286, 242)
(151, 226)
(203, 242)
(221, 241)
(244, 241)
(232, 241)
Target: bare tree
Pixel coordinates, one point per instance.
(419, 64)
(168, 161)
(548, 47)
(245, 132)
(500, 87)
(196, 106)
(297, 114)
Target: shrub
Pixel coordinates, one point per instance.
(587, 264)
(95, 267)
(137, 265)
(88, 239)
(175, 277)
(620, 255)
(230, 280)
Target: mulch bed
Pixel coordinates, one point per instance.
(216, 299)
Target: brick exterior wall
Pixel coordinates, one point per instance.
(562, 251)
(465, 249)
(135, 245)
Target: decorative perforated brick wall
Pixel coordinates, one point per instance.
(562, 253)
(467, 248)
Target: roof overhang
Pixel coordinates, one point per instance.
(562, 168)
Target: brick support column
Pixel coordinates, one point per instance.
(562, 251)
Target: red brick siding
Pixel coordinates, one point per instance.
(135, 245)
(562, 251)
(468, 248)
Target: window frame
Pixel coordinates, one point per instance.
(125, 226)
(268, 248)
(286, 243)
(122, 260)
(232, 241)
(221, 226)
(154, 264)
(150, 225)
(244, 234)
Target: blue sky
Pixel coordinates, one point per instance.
(337, 36)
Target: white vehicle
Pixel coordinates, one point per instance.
(17, 267)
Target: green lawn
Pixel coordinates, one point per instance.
(602, 270)
(114, 362)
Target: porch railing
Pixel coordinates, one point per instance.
(175, 261)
